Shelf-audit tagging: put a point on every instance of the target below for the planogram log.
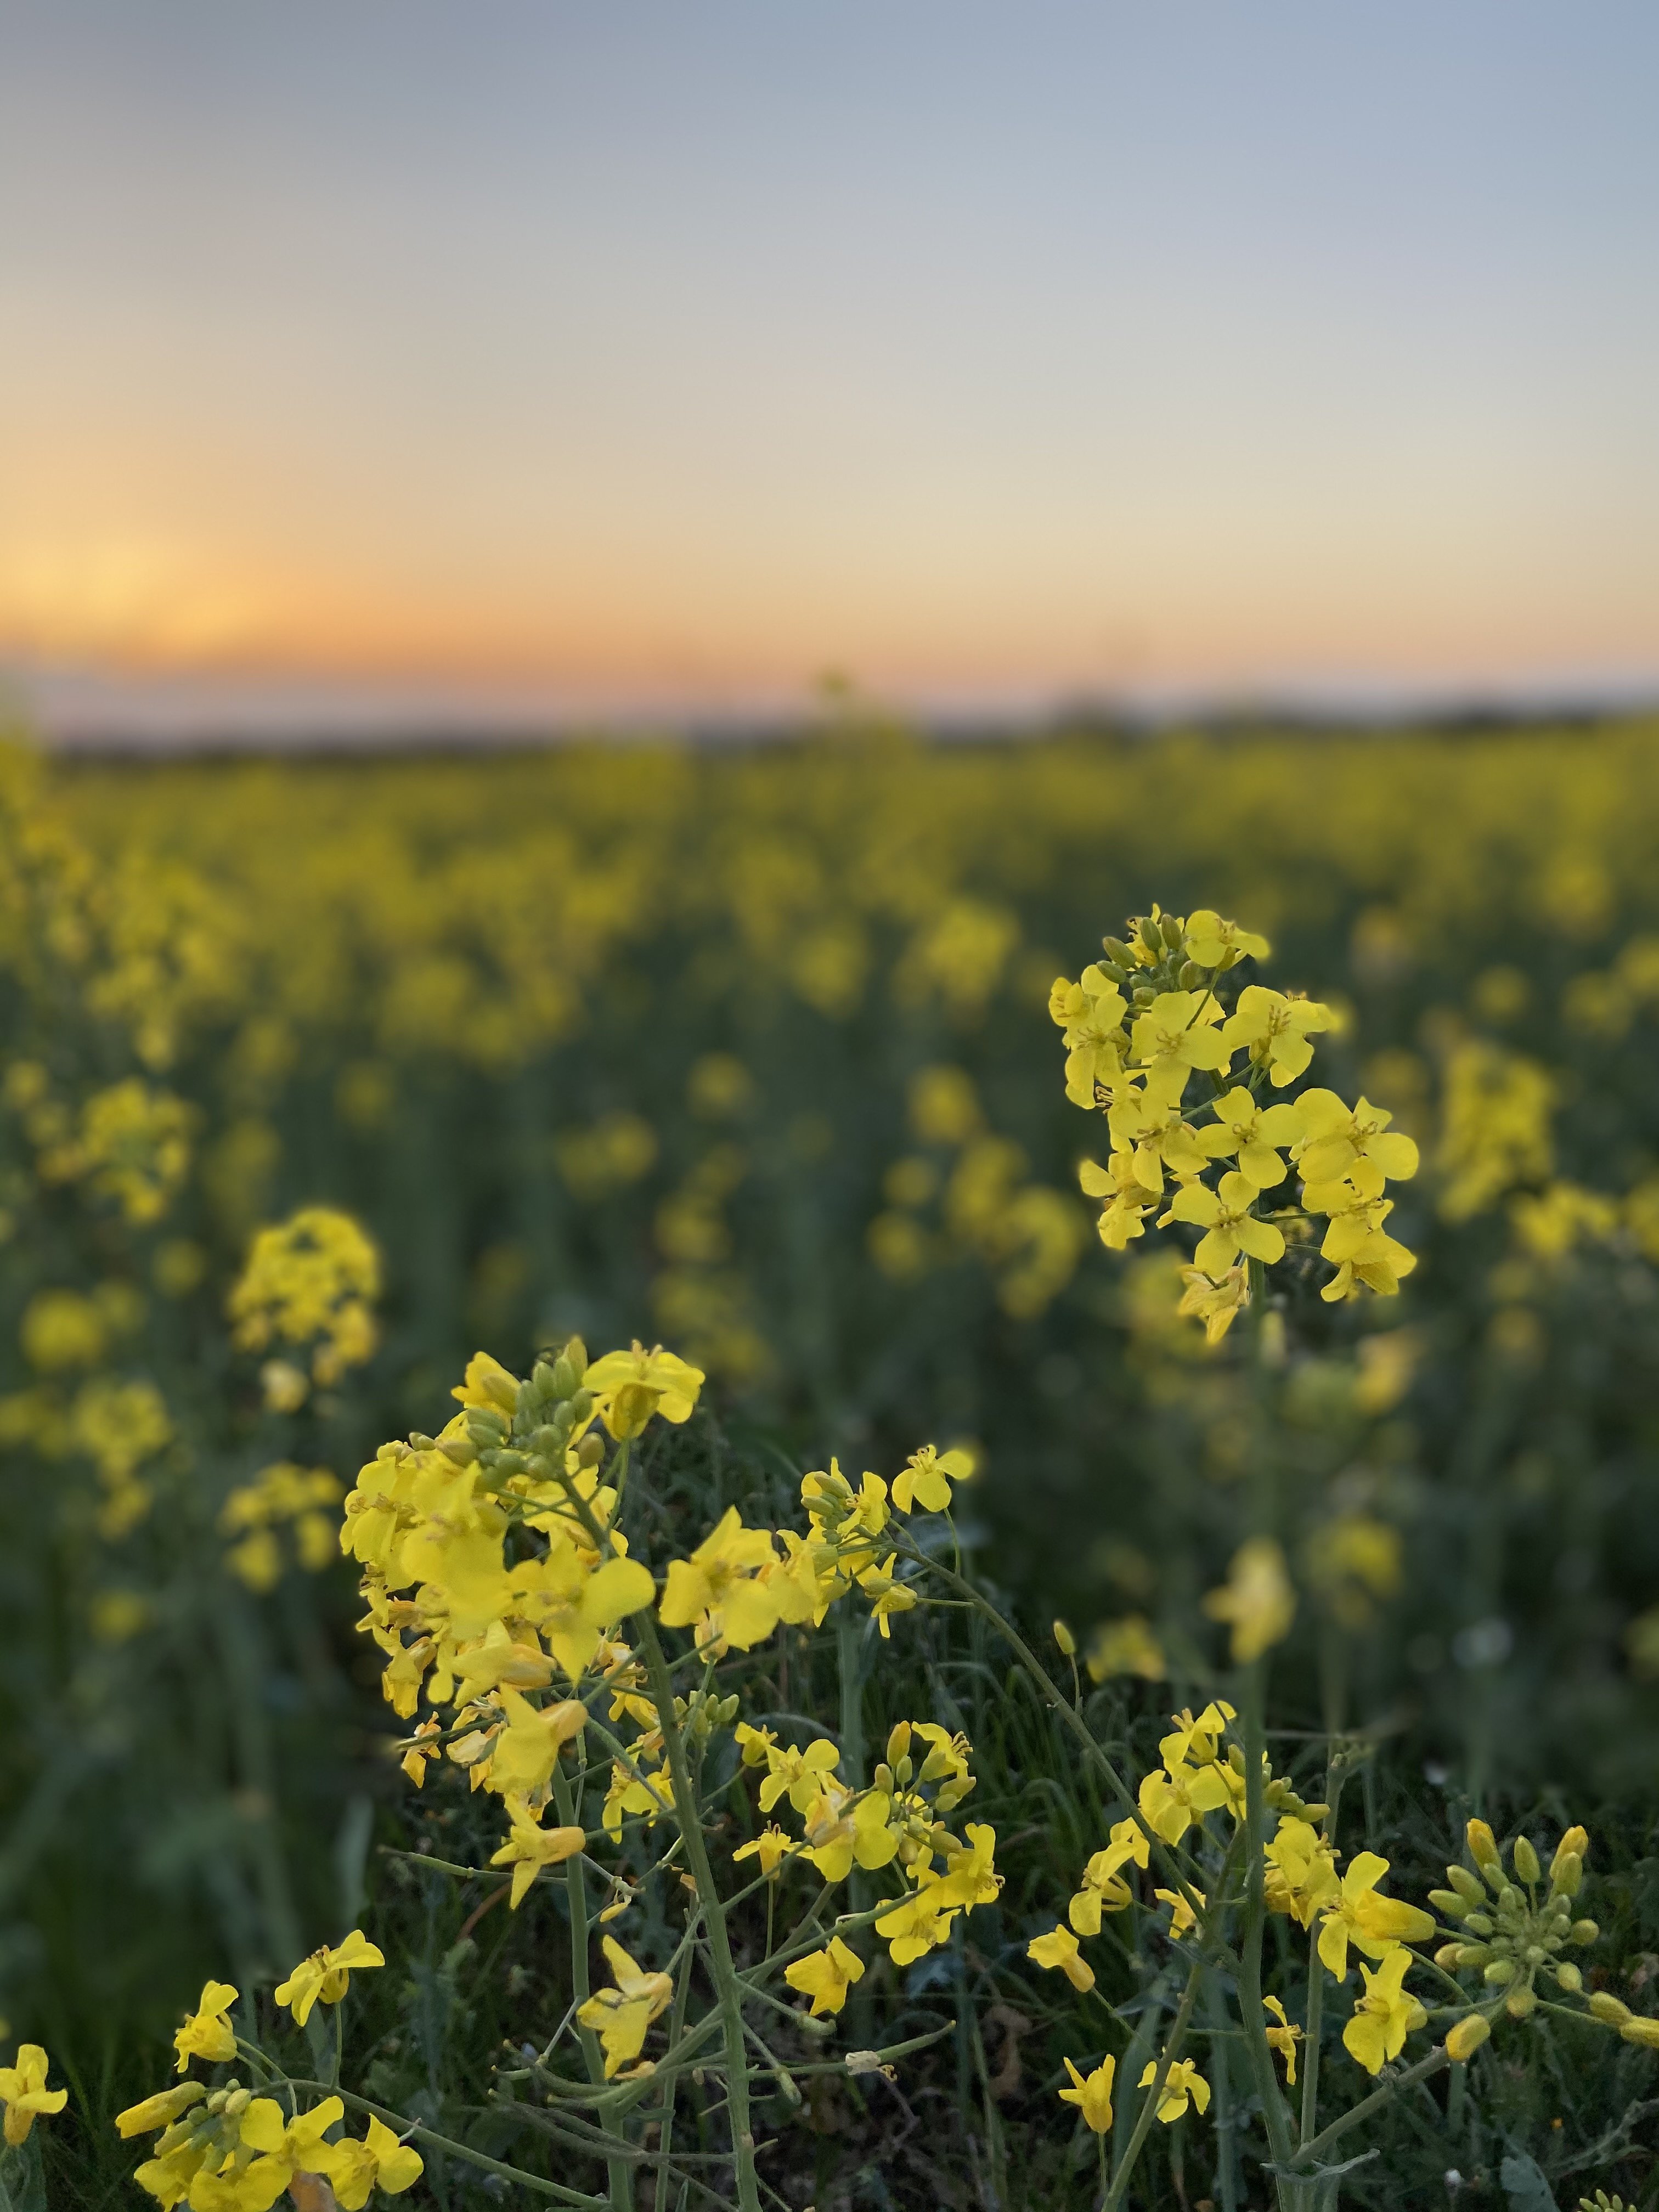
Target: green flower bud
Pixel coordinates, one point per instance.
(1636, 2029)
(1466, 1885)
(1478, 1924)
(1583, 1931)
(1526, 1860)
(581, 1405)
(1474, 1954)
(1509, 1898)
(1606, 2008)
(1466, 2037)
(1568, 1976)
(1174, 935)
(1519, 2002)
(591, 1450)
(1191, 975)
(1147, 932)
(1449, 1904)
(1500, 1972)
(1567, 1873)
(1117, 951)
(1449, 1955)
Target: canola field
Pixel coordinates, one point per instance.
(323, 1076)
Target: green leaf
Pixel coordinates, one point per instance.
(1524, 2185)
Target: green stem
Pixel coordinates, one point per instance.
(619, 2172)
(728, 1986)
(1335, 1775)
(1423, 2071)
(1252, 2017)
(1177, 2036)
(423, 2135)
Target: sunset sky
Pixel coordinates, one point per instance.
(546, 356)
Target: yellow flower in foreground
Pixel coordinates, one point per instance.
(1217, 944)
(719, 1581)
(926, 1477)
(771, 1847)
(1384, 2015)
(1182, 2085)
(826, 1976)
(1059, 1949)
(159, 2110)
(1283, 2039)
(1092, 2094)
(326, 1974)
(1229, 1224)
(529, 1847)
(1216, 1304)
(207, 2033)
(380, 2161)
(1375, 1924)
(1256, 1599)
(24, 2092)
(620, 2016)
(289, 2147)
(629, 1387)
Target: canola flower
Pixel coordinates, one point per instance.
(1186, 1085)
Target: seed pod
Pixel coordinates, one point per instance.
(1607, 2006)
(1467, 2037)
(1583, 1931)
(1526, 1860)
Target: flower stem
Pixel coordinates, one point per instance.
(728, 1989)
(575, 1887)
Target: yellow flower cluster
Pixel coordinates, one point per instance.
(1139, 1029)
(130, 1143)
(284, 1496)
(310, 1282)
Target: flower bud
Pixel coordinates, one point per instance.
(1174, 935)
(1467, 2037)
(1583, 1931)
(1147, 932)
(1566, 1872)
(1509, 1898)
(1117, 972)
(1449, 1955)
(1568, 1976)
(1449, 1904)
(1607, 2006)
(1520, 2002)
(1526, 1860)
(591, 1450)
(1191, 975)
(1638, 2029)
(1466, 1885)
(1065, 1640)
(1574, 1844)
(898, 1742)
(581, 1405)
(1117, 951)
(1483, 1849)
(1474, 1954)
(1500, 1972)
(1478, 1924)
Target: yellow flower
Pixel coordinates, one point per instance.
(1059, 1949)
(629, 1387)
(526, 1751)
(1174, 1801)
(289, 2147)
(1256, 1599)
(718, 1584)
(926, 1477)
(1217, 1304)
(1182, 1915)
(797, 1773)
(1104, 1889)
(826, 1976)
(529, 1847)
(1092, 2094)
(771, 1847)
(326, 1974)
(381, 2161)
(1128, 1198)
(1231, 1227)
(1384, 2015)
(1339, 1138)
(1182, 2085)
(24, 2092)
(887, 1595)
(621, 2015)
(1253, 1132)
(1175, 1034)
(1127, 1646)
(919, 1922)
(1374, 1924)
(1275, 1030)
(1197, 1742)
(1283, 2039)
(208, 2033)
(1214, 942)
(1301, 1874)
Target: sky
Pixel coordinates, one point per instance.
(411, 357)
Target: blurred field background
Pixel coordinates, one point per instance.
(748, 1051)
